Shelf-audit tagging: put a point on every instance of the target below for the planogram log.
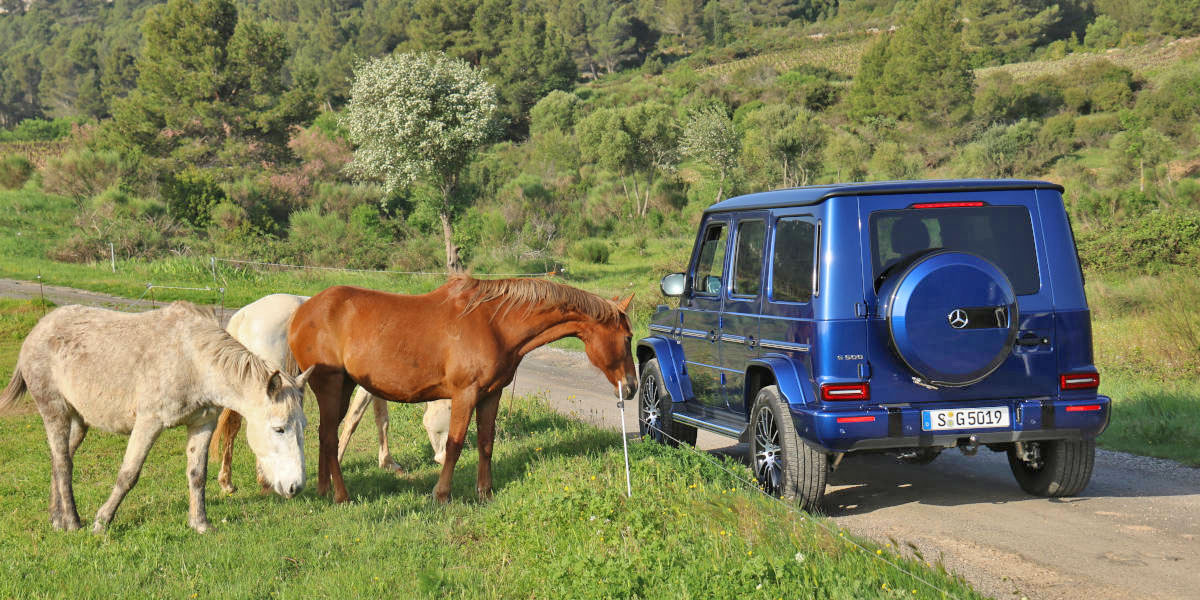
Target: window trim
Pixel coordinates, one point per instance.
(733, 261)
(816, 270)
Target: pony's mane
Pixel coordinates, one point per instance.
(228, 354)
(529, 293)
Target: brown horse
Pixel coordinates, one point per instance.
(462, 341)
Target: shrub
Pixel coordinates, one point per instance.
(1143, 243)
(1102, 33)
(1090, 130)
(191, 195)
(592, 251)
(14, 171)
(82, 174)
(329, 240)
(131, 236)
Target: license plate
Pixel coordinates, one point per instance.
(964, 418)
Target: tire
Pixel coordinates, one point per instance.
(655, 408)
(783, 464)
(1066, 468)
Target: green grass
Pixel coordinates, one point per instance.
(559, 527)
(1154, 418)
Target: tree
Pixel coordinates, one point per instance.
(210, 89)
(786, 136)
(919, 73)
(711, 137)
(1177, 17)
(419, 117)
(642, 138)
(1009, 28)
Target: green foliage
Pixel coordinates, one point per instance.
(1142, 243)
(329, 240)
(557, 111)
(591, 251)
(1098, 86)
(415, 116)
(1018, 150)
(83, 173)
(1103, 33)
(920, 72)
(1000, 98)
(191, 195)
(35, 130)
(783, 145)
(711, 137)
(1173, 106)
(1008, 29)
(1177, 17)
(14, 171)
(846, 156)
(210, 89)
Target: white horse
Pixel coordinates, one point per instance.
(138, 374)
(262, 327)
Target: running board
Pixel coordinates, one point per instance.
(708, 426)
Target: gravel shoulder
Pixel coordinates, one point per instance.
(1133, 533)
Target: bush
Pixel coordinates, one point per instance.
(1102, 33)
(111, 222)
(1091, 130)
(191, 195)
(82, 174)
(14, 172)
(36, 130)
(1142, 243)
(329, 240)
(591, 251)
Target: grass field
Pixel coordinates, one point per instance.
(560, 526)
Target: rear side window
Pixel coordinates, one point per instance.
(747, 262)
(793, 261)
(1001, 234)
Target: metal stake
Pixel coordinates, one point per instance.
(624, 439)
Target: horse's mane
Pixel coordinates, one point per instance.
(529, 293)
(228, 354)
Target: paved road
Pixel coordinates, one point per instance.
(1133, 533)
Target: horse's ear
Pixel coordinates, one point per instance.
(274, 384)
(624, 304)
(303, 378)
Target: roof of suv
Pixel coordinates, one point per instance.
(801, 196)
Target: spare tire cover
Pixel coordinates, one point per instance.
(951, 316)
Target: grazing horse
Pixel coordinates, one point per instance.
(462, 341)
(138, 374)
(261, 327)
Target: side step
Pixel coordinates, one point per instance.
(725, 428)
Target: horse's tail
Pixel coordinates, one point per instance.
(16, 388)
(228, 425)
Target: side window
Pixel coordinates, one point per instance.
(793, 261)
(707, 278)
(747, 263)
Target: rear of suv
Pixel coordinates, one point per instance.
(904, 317)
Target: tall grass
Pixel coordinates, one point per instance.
(560, 526)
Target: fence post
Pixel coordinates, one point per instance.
(112, 254)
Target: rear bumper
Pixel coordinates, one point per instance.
(900, 426)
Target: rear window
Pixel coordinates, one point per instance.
(1001, 234)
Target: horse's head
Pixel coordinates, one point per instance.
(275, 429)
(609, 344)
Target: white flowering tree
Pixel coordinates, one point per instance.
(711, 137)
(419, 117)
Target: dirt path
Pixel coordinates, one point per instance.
(1133, 533)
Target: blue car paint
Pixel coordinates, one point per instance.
(839, 337)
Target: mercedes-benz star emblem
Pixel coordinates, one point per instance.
(957, 318)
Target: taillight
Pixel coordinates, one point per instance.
(959, 204)
(867, 419)
(846, 391)
(1083, 408)
(1079, 381)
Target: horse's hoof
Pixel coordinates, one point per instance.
(391, 465)
(99, 528)
(201, 527)
(340, 498)
(484, 495)
(228, 488)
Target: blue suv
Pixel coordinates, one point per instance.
(904, 317)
